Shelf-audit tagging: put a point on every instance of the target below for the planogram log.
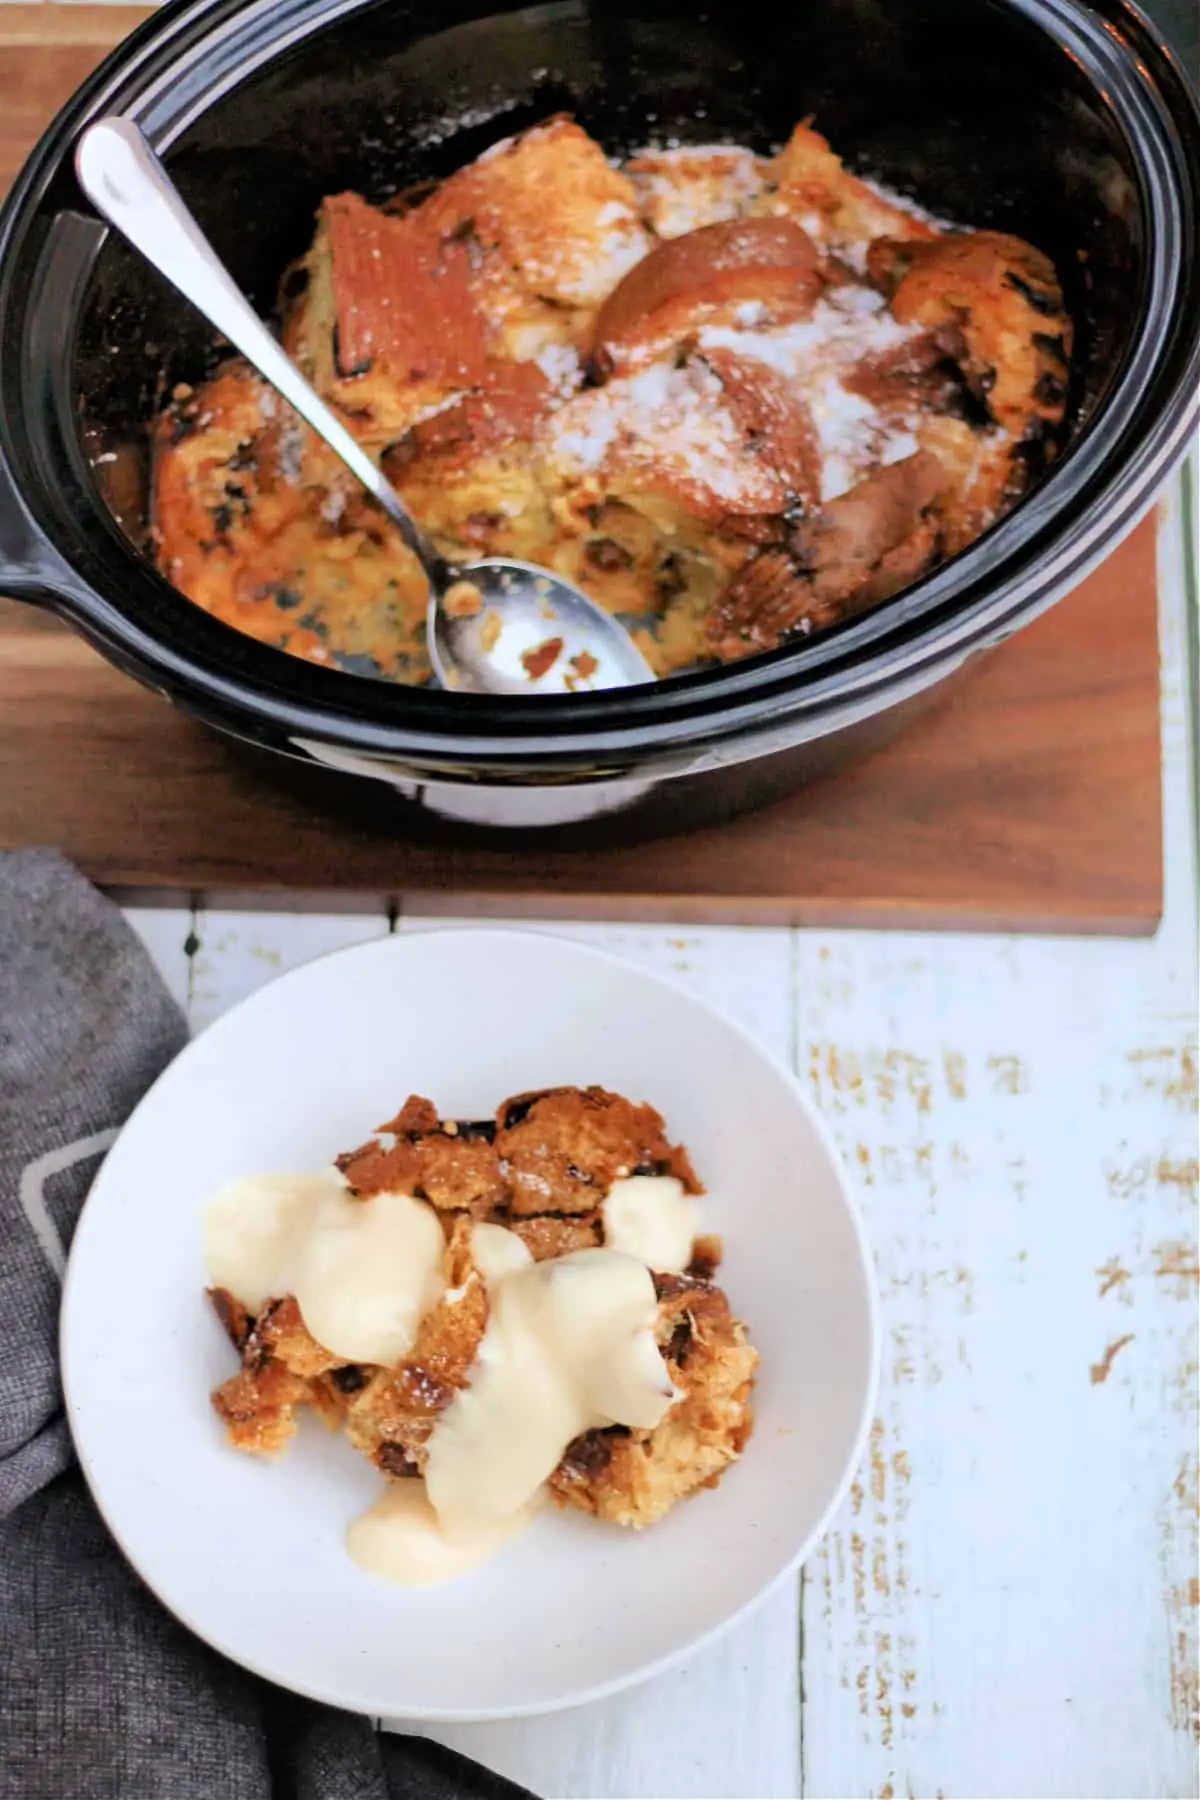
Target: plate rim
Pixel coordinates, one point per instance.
(344, 1699)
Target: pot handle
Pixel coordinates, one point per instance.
(30, 568)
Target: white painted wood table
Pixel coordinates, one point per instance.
(1006, 1604)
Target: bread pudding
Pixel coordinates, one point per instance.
(494, 1313)
(736, 398)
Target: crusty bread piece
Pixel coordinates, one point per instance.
(454, 1165)
(808, 182)
(684, 190)
(557, 1151)
(386, 326)
(283, 1369)
(565, 1147)
(549, 209)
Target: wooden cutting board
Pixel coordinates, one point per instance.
(1029, 800)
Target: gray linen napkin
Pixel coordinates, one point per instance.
(103, 1696)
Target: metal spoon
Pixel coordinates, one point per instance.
(511, 628)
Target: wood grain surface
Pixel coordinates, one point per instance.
(45, 52)
(1028, 800)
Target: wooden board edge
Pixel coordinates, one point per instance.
(811, 913)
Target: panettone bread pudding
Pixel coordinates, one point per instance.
(737, 398)
(493, 1311)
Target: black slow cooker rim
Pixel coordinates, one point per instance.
(1017, 570)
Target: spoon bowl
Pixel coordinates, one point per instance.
(509, 627)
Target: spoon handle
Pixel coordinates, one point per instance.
(129, 187)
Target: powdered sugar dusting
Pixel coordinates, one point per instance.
(682, 189)
(669, 420)
(561, 365)
(584, 271)
(677, 419)
(828, 230)
(835, 333)
(853, 436)
(814, 355)
(500, 148)
(898, 445)
(583, 435)
(854, 256)
(437, 406)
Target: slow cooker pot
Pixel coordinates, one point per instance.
(1069, 124)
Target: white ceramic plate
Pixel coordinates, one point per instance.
(250, 1553)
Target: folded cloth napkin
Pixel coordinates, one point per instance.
(103, 1696)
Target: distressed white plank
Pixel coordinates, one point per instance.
(234, 953)
(166, 932)
(1006, 1606)
(726, 1723)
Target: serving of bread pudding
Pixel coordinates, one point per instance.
(569, 1197)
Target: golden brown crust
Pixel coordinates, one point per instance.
(281, 1334)
(808, 182)
(551, 209)
(453, 1165)
(554, 1152)
(702, 277)
(258, 1407)
(563, 1148)
(708, 1253)
(402, 295)
(553, 1235)
(236, 1320)
(1004, 297)
(283, 1368)
(982, 478)
(681, 190)
(255, 521)
(368, 345)
(503, 411)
